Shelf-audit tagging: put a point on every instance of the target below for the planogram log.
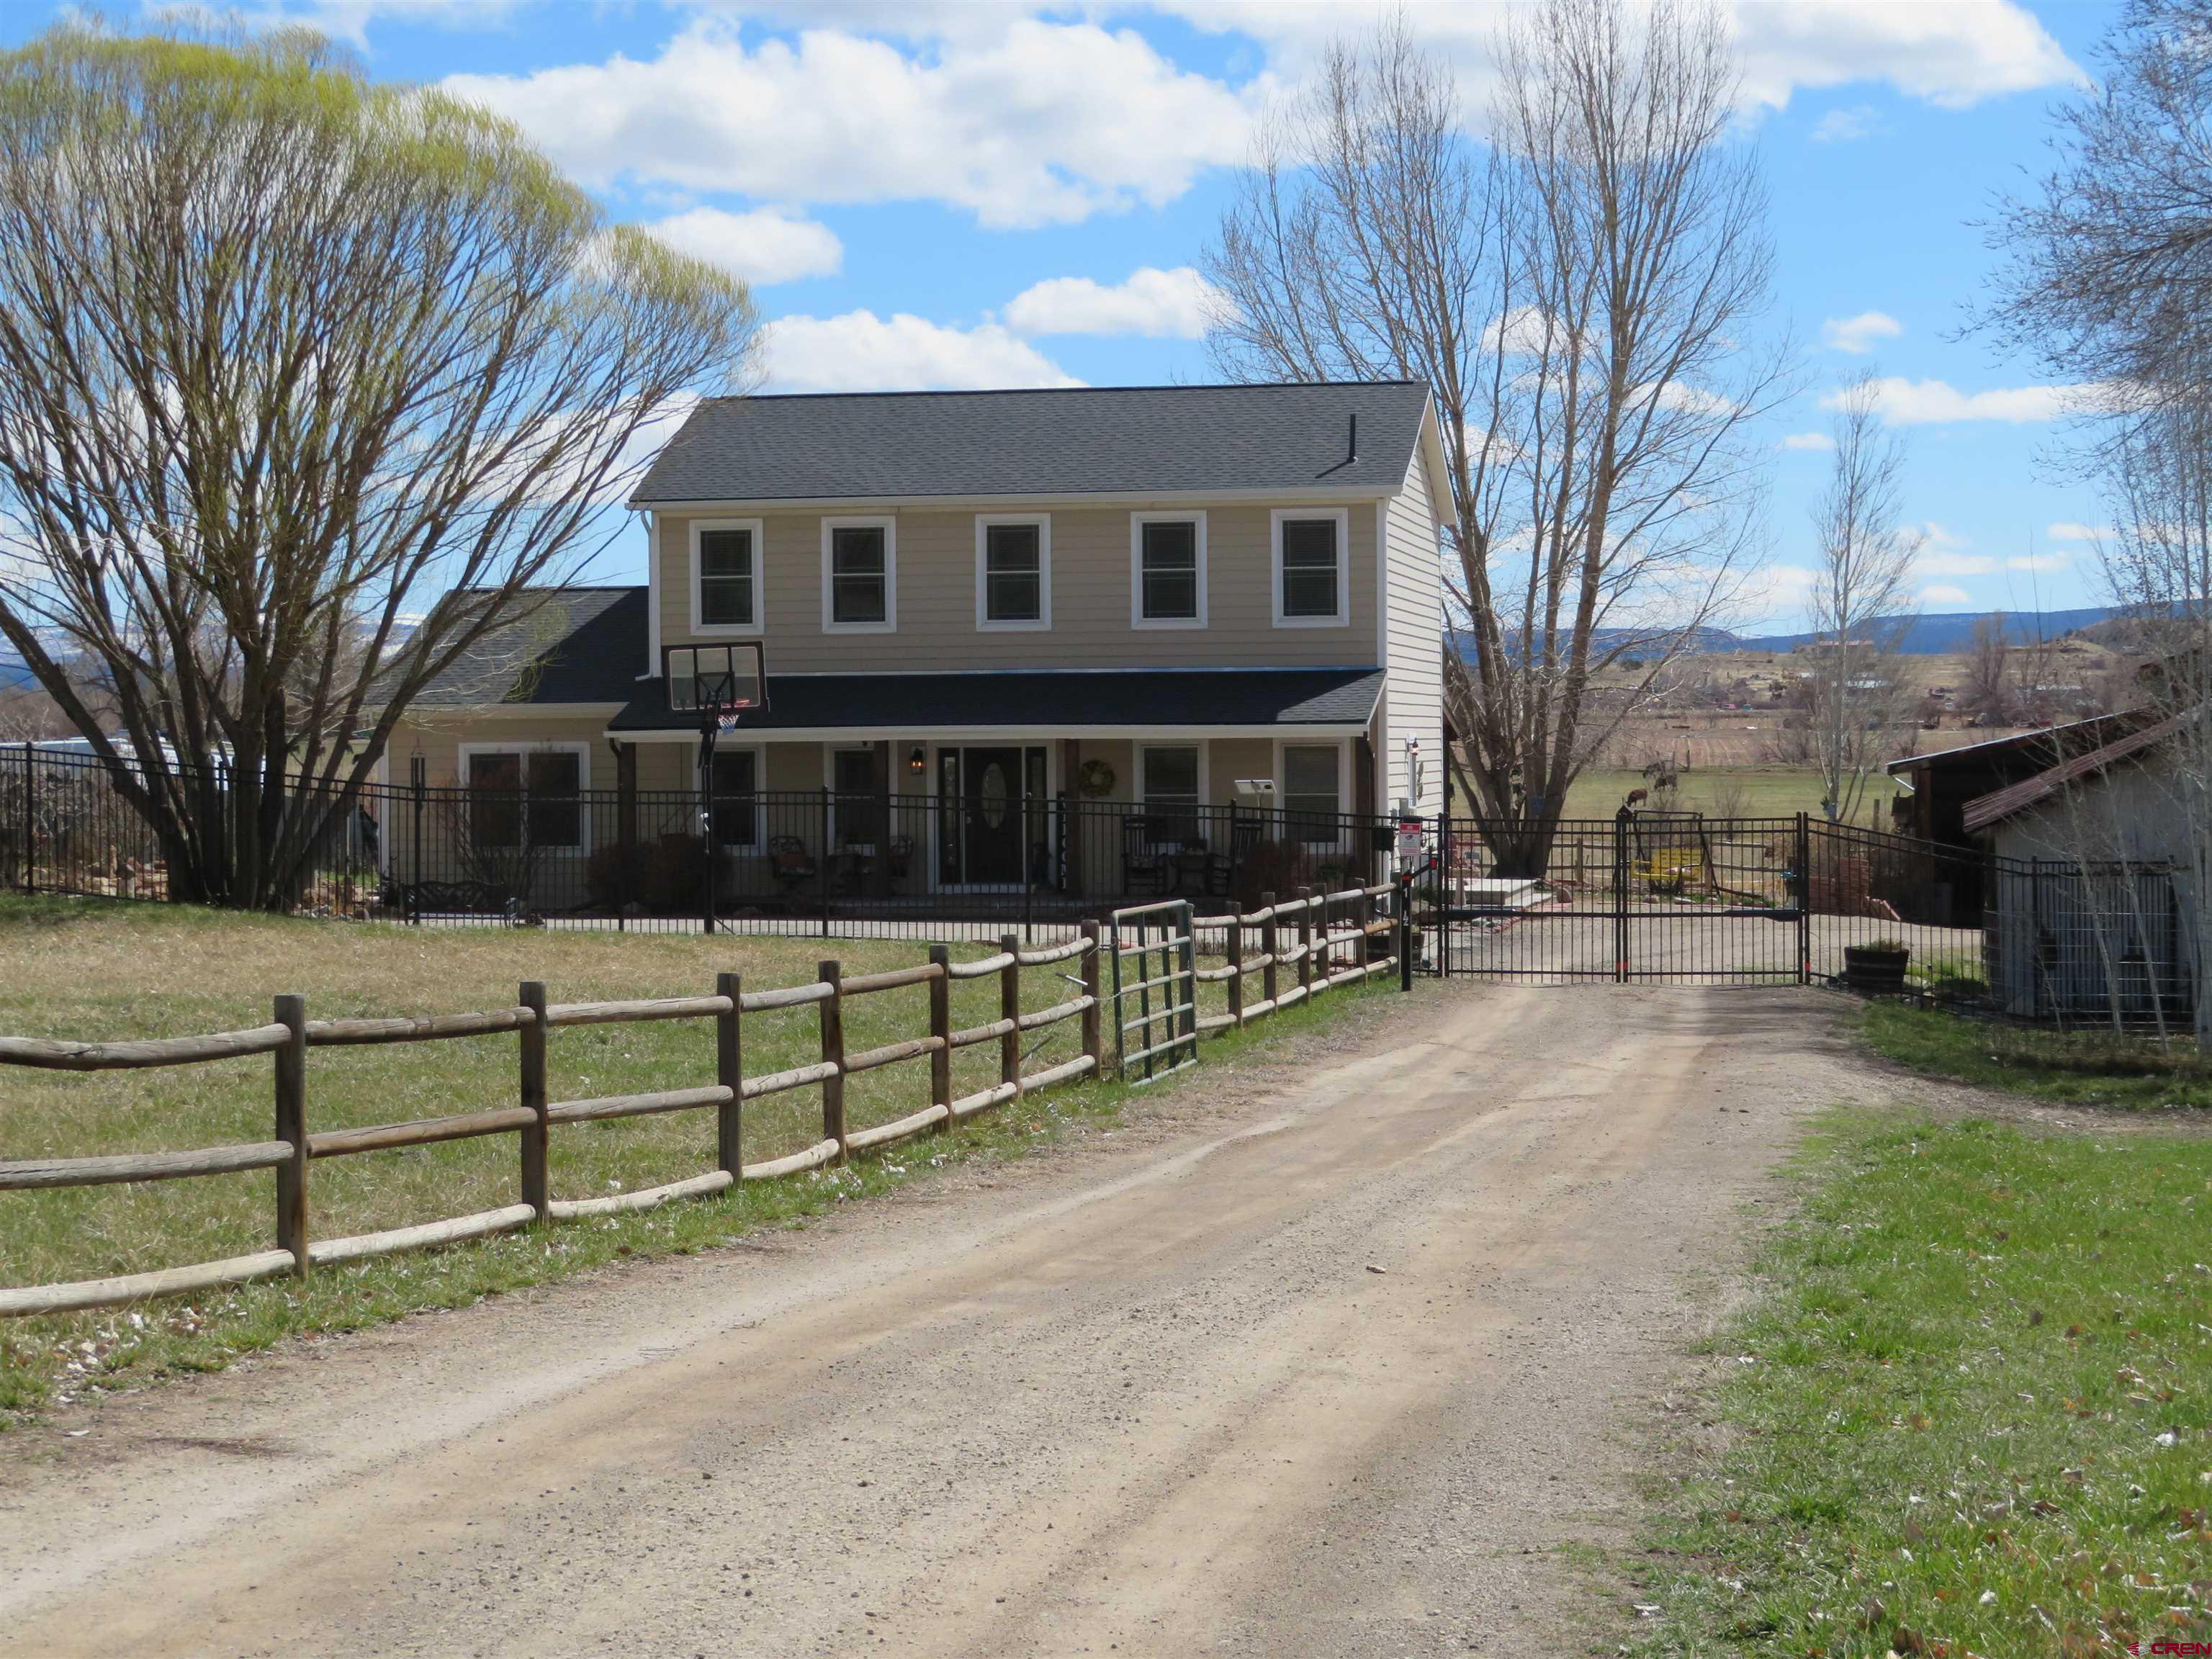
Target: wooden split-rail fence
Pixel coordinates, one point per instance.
(1320, 939)
(293, 1149)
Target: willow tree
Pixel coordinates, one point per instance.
(287, 358)
(1578, 277)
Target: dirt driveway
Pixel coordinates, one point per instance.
(1322, 1359)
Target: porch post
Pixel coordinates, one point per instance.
(1071, 767)
(883, 879)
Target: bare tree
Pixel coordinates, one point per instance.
(2107, 272)
(1986, 690)
(285, 355)
(1861, 602)
(1578, 294)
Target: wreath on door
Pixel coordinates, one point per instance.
(1096, 779)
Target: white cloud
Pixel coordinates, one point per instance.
(1923, 402)
(1842, 126)
(1856, 335)
(1815, 441)
(1158, 304)
(1944, 593)
(1950, 52)
(1039, 123)
(1954, 53)
(2036, 562)
(764, 246)
(861, 351)
(1776, 590)
(2075, 532)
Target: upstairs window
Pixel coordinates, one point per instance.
(1168, 570)
(859, 576)
(1013, 573)
(1310, 590)
(726, 586)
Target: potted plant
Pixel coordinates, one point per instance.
(1878, 965)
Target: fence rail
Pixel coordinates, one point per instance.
(294, 1148)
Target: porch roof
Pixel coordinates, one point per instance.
(1071, 700)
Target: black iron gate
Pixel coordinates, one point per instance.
(1681, 897)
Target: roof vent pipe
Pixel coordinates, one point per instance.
(1352, 448)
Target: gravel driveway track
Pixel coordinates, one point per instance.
(1324, 1355)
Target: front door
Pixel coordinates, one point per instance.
(991, 814)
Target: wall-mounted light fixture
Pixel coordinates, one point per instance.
(918, 762)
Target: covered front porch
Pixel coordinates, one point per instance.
(974, 823)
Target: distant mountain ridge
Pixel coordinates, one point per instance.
(1933, 635)
(1947, 631)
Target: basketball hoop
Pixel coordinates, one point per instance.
(715, 684)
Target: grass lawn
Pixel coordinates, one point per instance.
(1970, 1412)
(1757, 792)
(2091, 1068)
(102, 970)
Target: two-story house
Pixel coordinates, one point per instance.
(1169, 598)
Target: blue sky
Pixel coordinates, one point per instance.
(938, 194)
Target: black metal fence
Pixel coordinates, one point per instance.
(1650, 896)
(1682, 897)
(871, 866)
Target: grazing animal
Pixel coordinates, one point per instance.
(1666, 779)
(1636, 798)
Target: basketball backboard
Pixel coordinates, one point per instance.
(719, 679)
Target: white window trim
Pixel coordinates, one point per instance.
(1204, 755)
(700, 626)
(1042, 523)
(888, 524)
(1137, 523)
(758, 845)
(1281, 515)
(582, 846)
(1343, 747)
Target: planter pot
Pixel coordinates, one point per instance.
(1866, 968)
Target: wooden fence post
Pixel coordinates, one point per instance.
(1236, 948)
(1305, 943)
(730, 1073)
(1010, 1007)
(291, 1068)
(1268, 935)
(1093, 986)
(537, 1177)
(833, 1054)
(940, 1027)
(1363, 914)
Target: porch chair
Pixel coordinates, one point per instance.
(790, 863)
(1149, 846)
(1244, 834)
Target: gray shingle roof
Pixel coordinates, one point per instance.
(576, 645)
(1060, 442)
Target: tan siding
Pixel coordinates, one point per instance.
(936, 599)
(1413, 694)
(1232, 758)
